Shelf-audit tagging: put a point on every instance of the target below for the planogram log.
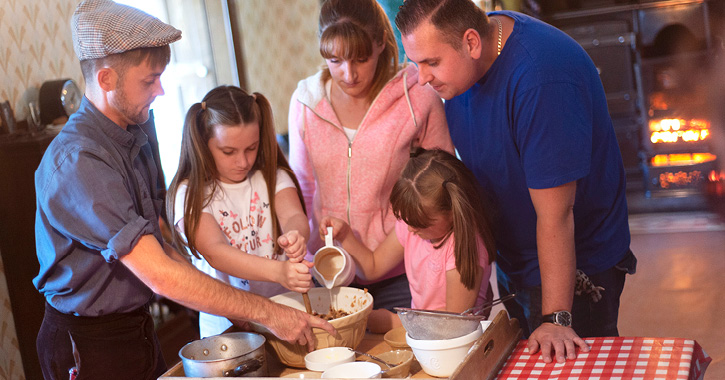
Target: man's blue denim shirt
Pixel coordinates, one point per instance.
(97, 195)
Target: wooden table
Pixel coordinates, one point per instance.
(372, 344)
(500, 354)
(487, 355)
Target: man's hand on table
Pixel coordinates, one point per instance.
(563, 341)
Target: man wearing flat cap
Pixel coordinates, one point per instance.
(98, 239)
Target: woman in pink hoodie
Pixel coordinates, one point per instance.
(352, 127)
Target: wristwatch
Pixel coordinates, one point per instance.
(559, 318)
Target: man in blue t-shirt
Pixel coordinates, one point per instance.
(528, 115)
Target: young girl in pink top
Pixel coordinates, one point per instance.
(441, 235)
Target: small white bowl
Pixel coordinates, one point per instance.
(303, 375)
(441, 357)
(324, 358)
(354, 370)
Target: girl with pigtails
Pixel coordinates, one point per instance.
(235, 204)
(441, 234)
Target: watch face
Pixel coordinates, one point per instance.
(563, 318)
(71, 97)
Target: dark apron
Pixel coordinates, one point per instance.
(115, 346)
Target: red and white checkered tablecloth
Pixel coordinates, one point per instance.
(615, 358)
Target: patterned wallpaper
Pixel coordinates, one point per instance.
(35, 46)
(280, 48)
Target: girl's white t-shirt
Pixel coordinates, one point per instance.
(242, 212)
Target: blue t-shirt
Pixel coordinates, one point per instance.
(97, 195)
(538, 119)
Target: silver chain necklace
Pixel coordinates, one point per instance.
(500, 34)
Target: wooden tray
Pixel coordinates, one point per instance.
(491, 350)
(487, 355)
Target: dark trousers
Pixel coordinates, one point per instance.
(589, 319)
(115, 346)
(390, 293)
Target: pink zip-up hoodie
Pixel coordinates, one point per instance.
(352, 180)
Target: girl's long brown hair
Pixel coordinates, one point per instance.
(348, 29)
(435, 181)
(229, 106)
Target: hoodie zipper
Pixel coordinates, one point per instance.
(349, 153)
(349, 142)
(349, 159)
(349, 179)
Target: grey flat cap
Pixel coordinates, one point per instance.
(103, 27)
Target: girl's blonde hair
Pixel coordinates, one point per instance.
(229, 106)
(348, 29)
(435, 181)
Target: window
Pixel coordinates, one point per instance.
(192, 71)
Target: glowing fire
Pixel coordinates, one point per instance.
(676, 130)
(716, 186)
(682, 159)
(716, 176)
(680, 178)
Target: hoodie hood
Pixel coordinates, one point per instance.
(312, 90)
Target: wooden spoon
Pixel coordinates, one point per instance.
(308, 306)
(305, 296)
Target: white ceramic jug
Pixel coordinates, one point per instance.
(333, 265)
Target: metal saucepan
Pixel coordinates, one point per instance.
(226, 355)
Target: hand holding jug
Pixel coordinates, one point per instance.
(333, 265)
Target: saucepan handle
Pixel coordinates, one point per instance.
(245, 367)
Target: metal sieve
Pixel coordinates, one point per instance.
(438, 325)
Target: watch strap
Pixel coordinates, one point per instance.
(549, 318)
(555, 318)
